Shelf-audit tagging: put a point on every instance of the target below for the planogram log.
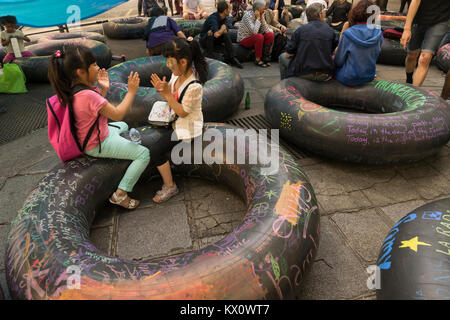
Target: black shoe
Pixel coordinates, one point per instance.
(2, 109)
(235, 62)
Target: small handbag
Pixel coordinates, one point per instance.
(162, 114)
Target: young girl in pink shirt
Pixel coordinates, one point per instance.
(77, 66)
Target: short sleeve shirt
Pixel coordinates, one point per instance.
(193, 4)
(432, 12)
(18, 34)
(86, 107)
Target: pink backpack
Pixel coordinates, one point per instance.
(61, 128)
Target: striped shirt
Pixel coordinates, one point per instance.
(250, 26)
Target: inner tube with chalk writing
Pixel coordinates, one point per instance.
(50, 256)
(414, 260)
(36, 67)
(222, 93)
(391, 123)
(443, 58)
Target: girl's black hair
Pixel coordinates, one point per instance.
(180, 48)
(63, 66)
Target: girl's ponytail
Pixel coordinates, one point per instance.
(62, 71)
(58, 78)
(199, 61)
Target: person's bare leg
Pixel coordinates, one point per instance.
(446, 89)
(411, 61)
(422, 68)
(166, 174)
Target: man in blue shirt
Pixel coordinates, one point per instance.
(309, 52)
(215, 33)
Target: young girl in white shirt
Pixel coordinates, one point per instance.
(189, 71)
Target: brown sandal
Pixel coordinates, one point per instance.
(130, 203)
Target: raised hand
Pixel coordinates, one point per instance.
(133, 82)
(160, 85)
(103, 79)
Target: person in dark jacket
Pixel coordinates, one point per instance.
(309, 52)
(160, 30)
(215, 33)
(359, 48)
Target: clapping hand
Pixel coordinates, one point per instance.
(133, 82)
(160, 85)
(103, 79)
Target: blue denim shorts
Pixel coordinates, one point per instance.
(427, 38)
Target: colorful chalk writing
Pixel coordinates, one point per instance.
(384, 261)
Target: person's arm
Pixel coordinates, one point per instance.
(181, 34)
(412, 11)
(119, 112)
(341, 53)
(264, 24)
(253, 26)
(176, 28)
(275, 7)
(331, 9)
(221, 31)
(163, 89)
(292, 45)
(5, 40)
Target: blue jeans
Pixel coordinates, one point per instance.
(117, 147)
(427, 38)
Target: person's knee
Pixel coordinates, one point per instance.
(268, 37)
(412, 56)
(259, 37)
(186, 16)
(144, 155)
(425, 59)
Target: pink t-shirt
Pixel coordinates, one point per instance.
(86, 105)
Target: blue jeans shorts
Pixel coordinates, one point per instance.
(427, 38)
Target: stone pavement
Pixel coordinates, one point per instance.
(358, 203)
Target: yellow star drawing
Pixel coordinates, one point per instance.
(413, 243)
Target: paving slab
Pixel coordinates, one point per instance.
(397, 211)
(336, 273)
(101, 238)
(14, 193)
(364, 232)
(4, 229)
(153, 232)
(44, 165)
(398, 189)
(350, 201)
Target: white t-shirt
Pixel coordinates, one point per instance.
(193, 4)
(19, 35)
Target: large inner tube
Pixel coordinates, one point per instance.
(406, 124)
(414, 260)
(126, 28)
(222, 93)
(266, 257)
(36, 68)
(443, 58)
(190, 28)
(392, 53)
(74, 35)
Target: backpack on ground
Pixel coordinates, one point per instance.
(61, 128)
